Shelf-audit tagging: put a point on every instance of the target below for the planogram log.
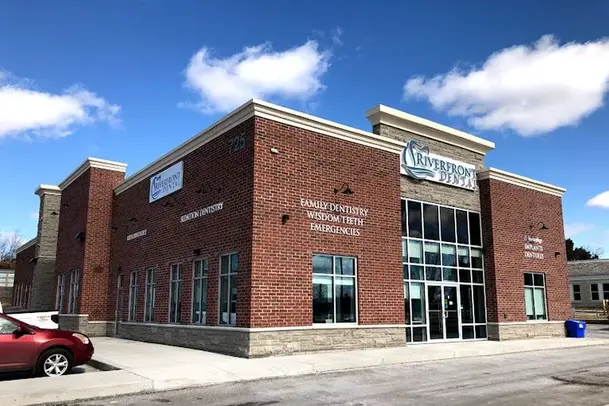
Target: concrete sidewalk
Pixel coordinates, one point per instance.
(173, 367)
(153, 367)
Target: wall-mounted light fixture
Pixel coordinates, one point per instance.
(167, 204)
(196, 252)
(556, 254)
(80, 236)
(344, 189)
(284, 218)
(132, 220)
(540, 225)
(65, 205)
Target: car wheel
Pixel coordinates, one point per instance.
(55, 362)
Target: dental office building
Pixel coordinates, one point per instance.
(274, 232)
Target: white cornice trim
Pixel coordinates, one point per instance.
(258, 108)
(426, 128)
(48, 190)
(26, 245)
(92, 163)
(503, 176)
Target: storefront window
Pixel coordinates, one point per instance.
(431, 226)
(229, 266)
(462, 230)
(133, 296)
(535, 296)
(175, 294)
(334, 287)
(150, 295)
(415, 224)
(199, 294)
(432, 263)
(447, 221)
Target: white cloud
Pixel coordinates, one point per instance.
(257, 72)
(600, 200)
(26, 111)
(337, 36)
(528, 89)
(573, 229)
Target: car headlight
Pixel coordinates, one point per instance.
(81, 337)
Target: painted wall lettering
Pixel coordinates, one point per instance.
(347, 219)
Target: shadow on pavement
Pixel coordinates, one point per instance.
(11, 376)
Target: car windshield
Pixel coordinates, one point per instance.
(19, 322)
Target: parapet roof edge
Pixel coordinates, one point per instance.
(382, 114)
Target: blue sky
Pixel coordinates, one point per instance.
(129, 80)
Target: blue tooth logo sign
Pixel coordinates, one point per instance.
(166, 182)
(418, 163)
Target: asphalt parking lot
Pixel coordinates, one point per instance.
(597, 330)
(11, 376)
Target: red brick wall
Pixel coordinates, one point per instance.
(310, 166)
(96, 272)
(212, 174)
(508, 211)
(24, 270)
(86, 205)
(72, 220)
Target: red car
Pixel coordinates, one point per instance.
(44, 352)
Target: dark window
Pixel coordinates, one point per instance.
(404, 224)
(478, 276)
(433, 273)
(594, 292)
(450, 274)
(462, 227)
(474, 229)
(465, 275)
(431, 226)
(468, 332)
(419, 334)
(432, 253)
(479, 306)
(415, 225)
(480, 331)
(447, 222)
(606, 290)
(467, 306)
(577, 294)
(416, 272)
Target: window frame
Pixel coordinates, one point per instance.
(133, 288)
(334, 275)
(545, 297)
(573, 292)
(229, 274)
(200, 279)
(178, 310)
(74, 293)
(598, 292)
(461, 269)
(60, 292)
(150, 286)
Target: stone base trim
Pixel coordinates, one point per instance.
(80, 323)
(250, 344)
(313, 340)
(525, 330)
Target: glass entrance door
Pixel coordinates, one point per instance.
(443, 312)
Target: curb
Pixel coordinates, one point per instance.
(102, 366)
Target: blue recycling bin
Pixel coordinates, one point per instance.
(576, 328)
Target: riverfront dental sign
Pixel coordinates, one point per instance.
(419, 163)
(166, 182)
(334, 218)
(533, 247)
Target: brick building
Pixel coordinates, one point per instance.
(274, 231)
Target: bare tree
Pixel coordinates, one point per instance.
(9, 243)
